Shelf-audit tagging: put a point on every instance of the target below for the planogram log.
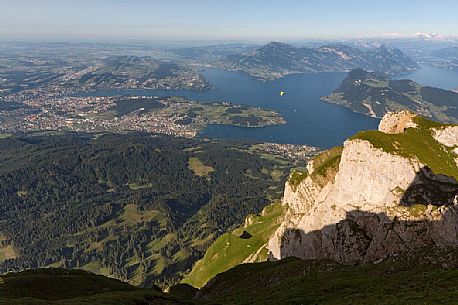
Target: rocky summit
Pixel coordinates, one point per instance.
(383, 193)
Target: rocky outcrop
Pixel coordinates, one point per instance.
(396, 122)
(448, 136)
(378, 204)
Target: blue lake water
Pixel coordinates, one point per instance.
(435, 77)
(309, 120)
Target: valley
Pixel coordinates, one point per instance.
(138, 207)
(228, 173)
(394, 245)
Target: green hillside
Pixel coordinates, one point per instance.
(416, 143)
(408, 280)
(59, 286)
(231, 249)
(141, 208)
(426, 277)
(375, 95)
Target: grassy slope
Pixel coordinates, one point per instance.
(230, 250)
(6, 251)
(135, 221)
(416, 143)
(296, 177)
(57, 286)
(326, 165)
(130, 218)
(405, 280)
(292, 281)
(199, 168)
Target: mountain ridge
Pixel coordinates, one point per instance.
(277, 59)
(383, 193)
(375, 95)
(426, 277)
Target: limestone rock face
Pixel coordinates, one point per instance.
(396, 122)
(370, 209)
(368, 177)
(447, 136)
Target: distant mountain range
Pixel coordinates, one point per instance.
(445, 58)
(375, 95)
(277, 59)
(447, 52)
(212, 52)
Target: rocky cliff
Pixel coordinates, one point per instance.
(383, 193)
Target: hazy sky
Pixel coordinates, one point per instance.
(223, 19)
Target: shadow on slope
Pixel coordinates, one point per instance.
(403, 280)
(63, 286)
(430, 188)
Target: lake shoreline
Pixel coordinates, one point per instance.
(309, 120)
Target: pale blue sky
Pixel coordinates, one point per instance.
(223, 19)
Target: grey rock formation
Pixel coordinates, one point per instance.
(377, 205)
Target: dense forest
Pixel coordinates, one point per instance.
(139, 207)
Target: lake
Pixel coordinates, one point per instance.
(309, 120)
(435, 77)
